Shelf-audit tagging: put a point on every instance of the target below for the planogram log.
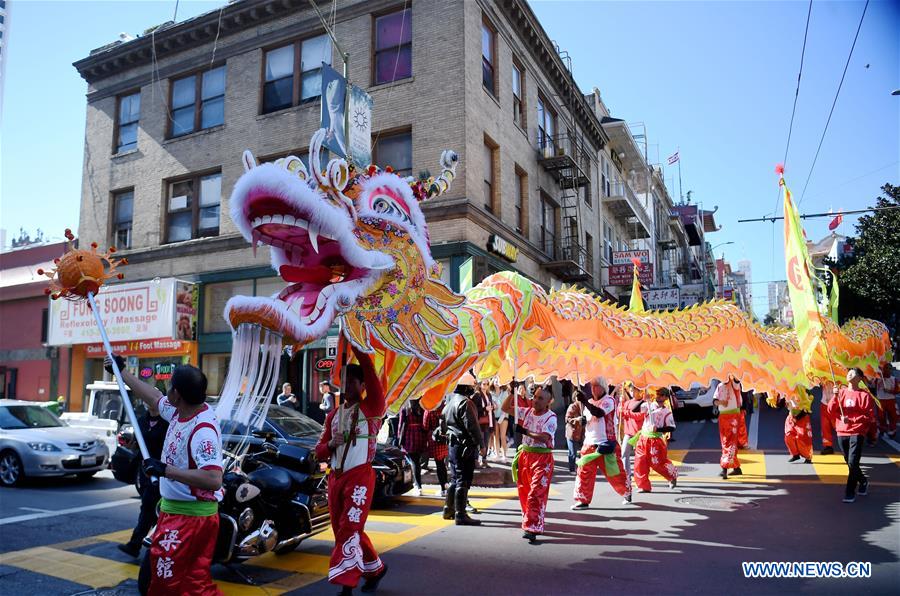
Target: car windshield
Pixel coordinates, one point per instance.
(15, 417)
(293, 423)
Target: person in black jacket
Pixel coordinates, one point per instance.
(464, 437)
(154, 429)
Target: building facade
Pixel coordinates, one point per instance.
(30, 369)
(542, 188)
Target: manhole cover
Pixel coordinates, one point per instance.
(717, 503)
(686, 469)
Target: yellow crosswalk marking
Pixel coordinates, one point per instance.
(753, 466)
(95, 572)
(831, 469)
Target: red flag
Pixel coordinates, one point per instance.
(836, 221)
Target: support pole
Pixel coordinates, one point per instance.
(126, 401)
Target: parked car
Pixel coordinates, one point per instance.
(698, 399)
(105, 412)
(35, 442)
(393, 468)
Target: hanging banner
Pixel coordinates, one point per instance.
(360, 127)
(133, 311)
(334, 93)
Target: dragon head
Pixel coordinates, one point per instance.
(345, 241)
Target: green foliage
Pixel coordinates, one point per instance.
(870, 277)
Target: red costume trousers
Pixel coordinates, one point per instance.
(181, 554)
(587, 476)
(798, 436)
(827, 424)
(349, 500)
(652, 453)
(535, 474)
(887, 415)
(729, 425)
(743, 437)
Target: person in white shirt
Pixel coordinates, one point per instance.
(728, 398)
(887, 395)
(601, 449)
(651, 451)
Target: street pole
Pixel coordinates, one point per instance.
(345, 59)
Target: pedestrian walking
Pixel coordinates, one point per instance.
(797, 432)
(532, 467)
(414, 439)
(574, 429)
(852, 413)
(437, 444)
(601, 450)
(329, 396)
(464, 438)
(826, 420)
(484, 406)
(190, 483)
(501, 421)
(728, 398)
(348, 443)
(651, 449)
(153, 428)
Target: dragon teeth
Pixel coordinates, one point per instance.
(289, 220)
(267, 219)
(277, 218)
(314, 237)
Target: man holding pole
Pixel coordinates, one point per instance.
(348, 441)
(190, 481)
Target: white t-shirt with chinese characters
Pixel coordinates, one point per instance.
(191, 444)
(731, 397)
(545, 423)
(657, 417)
(600, 429)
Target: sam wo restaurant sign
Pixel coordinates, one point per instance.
(143, 310)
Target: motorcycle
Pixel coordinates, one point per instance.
(273, 500)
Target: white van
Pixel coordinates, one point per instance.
(104, 412)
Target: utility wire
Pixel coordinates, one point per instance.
(834, 103)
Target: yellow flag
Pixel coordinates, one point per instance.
(637, 300)
(807, 321)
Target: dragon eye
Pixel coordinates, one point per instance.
(383, 205)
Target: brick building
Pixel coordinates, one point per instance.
(29, 368)
(544, 170)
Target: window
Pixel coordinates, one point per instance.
(488, 58)
(215, 367)
(123, 211)
(294, 73)
(45, 324)
(546, 118)
(548, 226)
(589, 248)
(394, 150)
(518, 88)
(190, 113)
(128, 114)
(604, 177)
(193, 207)
(608, 240)
(491, 171)
(521, 200)
(393, 47)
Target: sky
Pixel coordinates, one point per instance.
(715, 80)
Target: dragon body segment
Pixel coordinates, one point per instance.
(353, 246)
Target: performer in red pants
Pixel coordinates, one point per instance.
(348, 441)
(798, 433)
(728, 398)
(601, 450)
(651, 450)
(532, 466)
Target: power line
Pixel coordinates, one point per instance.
(827, 214)
(796, 96)
(834, 103)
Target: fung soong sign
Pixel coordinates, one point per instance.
(131, 311)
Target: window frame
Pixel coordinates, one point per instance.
(522, 121)
(117, 127)
(373, 54)
(195, 178)
(380, 136)
(486, 24)
(296, 73)
(113, 219)
(198, 100)
(549, 116)
(495, 205)
(547, 201)
(522, 201)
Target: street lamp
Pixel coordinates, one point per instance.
(705, 278)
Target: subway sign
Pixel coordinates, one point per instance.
(501, 247)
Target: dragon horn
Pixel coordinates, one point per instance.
(441, 184)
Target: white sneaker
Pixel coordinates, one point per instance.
(417, 492)
(441, 493)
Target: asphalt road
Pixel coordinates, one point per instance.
(58, 537)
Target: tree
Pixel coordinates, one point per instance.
(868, 276)
(770, 318)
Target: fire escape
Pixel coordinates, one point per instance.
(565, 158)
